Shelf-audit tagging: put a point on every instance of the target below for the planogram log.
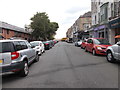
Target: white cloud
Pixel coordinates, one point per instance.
(65, 12)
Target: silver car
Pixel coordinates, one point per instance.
(113, 52)
(16, 55)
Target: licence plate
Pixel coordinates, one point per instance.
(1, 61)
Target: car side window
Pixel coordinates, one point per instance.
(17, 46)
(23, 45)
(90, 41)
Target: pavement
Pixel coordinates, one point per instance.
(67, 66)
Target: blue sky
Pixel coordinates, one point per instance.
(64, 12)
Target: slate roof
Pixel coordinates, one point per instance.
(12, 27)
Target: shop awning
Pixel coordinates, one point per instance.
(118, 36)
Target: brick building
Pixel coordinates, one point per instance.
(81, 26)
(69, 33)
(8, 31)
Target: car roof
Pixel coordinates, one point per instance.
(35, 41)
(11, 40)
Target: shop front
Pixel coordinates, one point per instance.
(114, 26)
(101, 32)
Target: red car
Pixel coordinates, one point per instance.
(83, 45)
(97, 46)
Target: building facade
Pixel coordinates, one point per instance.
(103, 14)
(100, 15)
(81, 26)
(114, 21)
(69, 33)
(8, 31)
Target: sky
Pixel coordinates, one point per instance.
(64, 12)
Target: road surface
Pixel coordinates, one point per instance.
(67, 66)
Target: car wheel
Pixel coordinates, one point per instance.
(41, 52)
(37, 58)
(94, 52)
(44, 51)
(86, 49)
(81, 47)
(110, 57)
(24, 72)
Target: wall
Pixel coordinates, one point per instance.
(13, 34)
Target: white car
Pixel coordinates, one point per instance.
(38, 46)
(78, 43)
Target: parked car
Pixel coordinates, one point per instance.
(83, 45)
(16, 55)
(38, 46)
(47, 45)
(113, 52)
(97, 46)
(78, 43)
(54, 41)
(69, 40)
(51, 43)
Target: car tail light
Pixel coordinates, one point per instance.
(46, 44)
(14, 55)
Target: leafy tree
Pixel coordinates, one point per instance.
(42, 27)
(52, 30)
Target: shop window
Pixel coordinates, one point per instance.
(7, 31)
(101, 34)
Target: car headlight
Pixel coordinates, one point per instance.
(99, 48)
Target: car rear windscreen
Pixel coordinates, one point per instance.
(34, 43)
(6, 47)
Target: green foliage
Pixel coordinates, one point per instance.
(42, 27)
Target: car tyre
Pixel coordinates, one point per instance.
(41, 52)
(86, 49)
(37, 58)
(24, 72)
(81, 47)
(94, 52)
(110, 57)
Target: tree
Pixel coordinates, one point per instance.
(42, 27)
(52, 30)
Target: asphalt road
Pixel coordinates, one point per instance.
(67, 66)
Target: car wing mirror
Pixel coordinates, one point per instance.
(32, 46)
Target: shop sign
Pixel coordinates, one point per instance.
(114, 23)
(100, 27)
